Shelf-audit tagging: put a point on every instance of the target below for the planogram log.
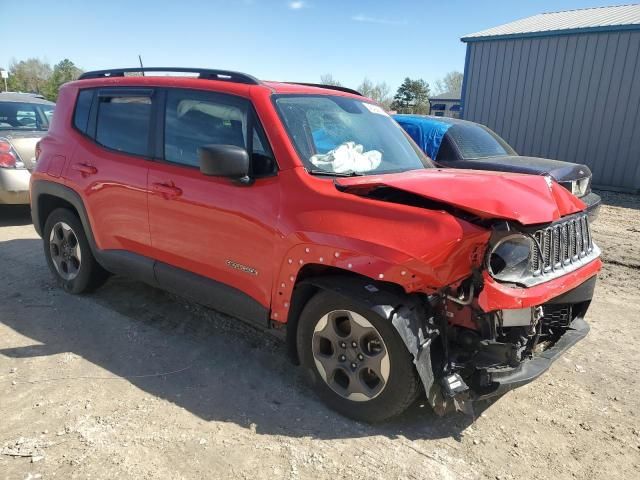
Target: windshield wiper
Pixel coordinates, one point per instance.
(336, 174)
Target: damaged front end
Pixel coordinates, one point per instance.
(505, 325)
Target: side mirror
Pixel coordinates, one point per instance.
(224, 161)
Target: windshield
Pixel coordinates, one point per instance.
(339, 135)
(25, 116)
(477, 141)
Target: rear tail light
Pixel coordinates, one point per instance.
(8, 156)
(38, 151)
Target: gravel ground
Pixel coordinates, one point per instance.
(130, 382)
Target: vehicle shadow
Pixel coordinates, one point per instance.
(14, 215)
(214, 366)
(622, 200)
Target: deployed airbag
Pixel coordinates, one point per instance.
(348, 157)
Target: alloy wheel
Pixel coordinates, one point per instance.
(350, 355)
(65, 251)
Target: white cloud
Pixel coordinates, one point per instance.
(297, 5)
(381, 21)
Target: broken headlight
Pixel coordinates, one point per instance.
(580, 187)
(509, 258)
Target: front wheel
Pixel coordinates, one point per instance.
(68, 253)
(355, 359)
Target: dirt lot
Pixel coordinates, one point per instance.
(131, 382)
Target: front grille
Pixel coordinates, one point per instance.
(561, 244)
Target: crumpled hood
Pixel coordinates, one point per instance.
(527, 199)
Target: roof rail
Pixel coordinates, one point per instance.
(330, 87)
(204, 73)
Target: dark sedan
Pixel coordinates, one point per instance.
(455, 143)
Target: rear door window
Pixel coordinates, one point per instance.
(123, 122)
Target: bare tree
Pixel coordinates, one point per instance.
(327, 79)
(450, 83)
(380, 92)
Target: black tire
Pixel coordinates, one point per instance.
(402, 386)
(90, 274)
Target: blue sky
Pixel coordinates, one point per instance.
(271, 39)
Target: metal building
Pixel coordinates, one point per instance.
(563, 85)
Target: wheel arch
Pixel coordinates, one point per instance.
(47, 196)
(313, 278)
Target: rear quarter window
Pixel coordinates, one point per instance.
(83, 107)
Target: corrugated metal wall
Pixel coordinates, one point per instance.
(569, 97)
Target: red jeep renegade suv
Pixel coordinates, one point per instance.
(309, 208)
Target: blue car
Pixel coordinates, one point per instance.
(454, 143)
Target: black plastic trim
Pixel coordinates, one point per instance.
(329, 87)
(531, 369)
(43, 187)
(211, 293)
(128, 264)
(204, 73)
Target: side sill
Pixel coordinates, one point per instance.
(211, 293)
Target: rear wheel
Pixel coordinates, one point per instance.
(356, 360)
(68, 253)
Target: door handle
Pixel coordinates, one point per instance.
(85, 169)
(166, 190)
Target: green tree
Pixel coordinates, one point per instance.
(380, 92)
(327, 79)
(63, 72)
(412, 97)
(29, 75)
(450, 83)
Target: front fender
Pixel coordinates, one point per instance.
(379, 263)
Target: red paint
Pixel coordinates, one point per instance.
(281, 225)
(496, 296)
(527, 199)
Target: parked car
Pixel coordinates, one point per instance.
(308, 210)
(455, 143)
(24, 119)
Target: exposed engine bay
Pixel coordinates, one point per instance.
(475, 355)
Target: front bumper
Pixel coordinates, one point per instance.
(498, 296)
(490, 382)
(499, 382)
(14, 186)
